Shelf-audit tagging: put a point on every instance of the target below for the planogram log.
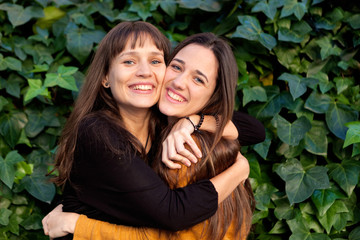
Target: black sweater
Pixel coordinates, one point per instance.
(122, 189)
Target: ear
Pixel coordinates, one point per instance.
(105, 82)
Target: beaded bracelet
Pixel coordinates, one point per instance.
(196, 127)
(217, 120)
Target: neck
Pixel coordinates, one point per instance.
(137, 123)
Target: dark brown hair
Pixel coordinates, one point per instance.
(93, 97)
(218, 153)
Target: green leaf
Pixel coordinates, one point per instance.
(4, 216)
(345, 174)
(271, 107)
(250, 28)
(288, 57)
(352, 134)
(35, 89)
(33, 222)
(255, 171)
(283, 210)
(40, 68)
(80, 18)
(268, 8)
(337, 116)
(355, 234)
(10, 62)
(13, 63)
(309, 236)
(342, 83)
(169, 6)
(354, 21)
(13, 85)
(329, 219)
(11, 125)
(298, 225)
(324, 83)
(267, 40)
(7, 169)
(318, 103)
(328, 48)
(39, 186)
(263, 195)
(293, 7)
(263, 148)
(256, 93)
(141, 8)
(3, 102)
(316, 141)
(323, 199)
(296, 85)
(3, 64)
(18, 15)
(40, 53)
(210, 5)
(291, 133)
(301, 183)
(79, 44)
(63, 78)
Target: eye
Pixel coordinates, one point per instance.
(175, 67)
(199, 80)
(128, 62)
(156, 61)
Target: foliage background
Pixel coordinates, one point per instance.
(299, 74)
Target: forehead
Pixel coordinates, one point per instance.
(199, 58)
(140, 40)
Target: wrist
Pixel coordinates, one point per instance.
(196, 121)
(71, 223)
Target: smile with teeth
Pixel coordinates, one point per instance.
(142, 87)
(175, 97)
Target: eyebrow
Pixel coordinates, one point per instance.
(197, 71)
(134, 53)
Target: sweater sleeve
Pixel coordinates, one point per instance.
(251, 131)
(122, 189)
(91, 229)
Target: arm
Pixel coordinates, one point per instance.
(174, 144)
(123, 189)
(251, 131)
(62, 223)
(247, 129)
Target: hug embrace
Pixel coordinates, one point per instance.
(152, 147)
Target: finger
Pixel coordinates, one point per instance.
(187, 154)
(45, 227)
(170, 148)
(170, 164)
(193, 146)
(182, 159)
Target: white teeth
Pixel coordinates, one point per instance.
(142, 87)
(175, 96)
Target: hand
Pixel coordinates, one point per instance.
(174, 145)
(58, 223)
(244, 166)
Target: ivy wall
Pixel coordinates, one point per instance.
(299, 75)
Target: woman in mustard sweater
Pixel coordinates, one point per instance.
(200, 79)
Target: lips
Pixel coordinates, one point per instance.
(142, 87)
(176, 97)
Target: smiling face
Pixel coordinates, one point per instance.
(189, 82)
(136, 75)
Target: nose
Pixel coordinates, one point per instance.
(179, 82)
(144, 70)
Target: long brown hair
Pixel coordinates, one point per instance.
(218, 153)
(93, 97)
